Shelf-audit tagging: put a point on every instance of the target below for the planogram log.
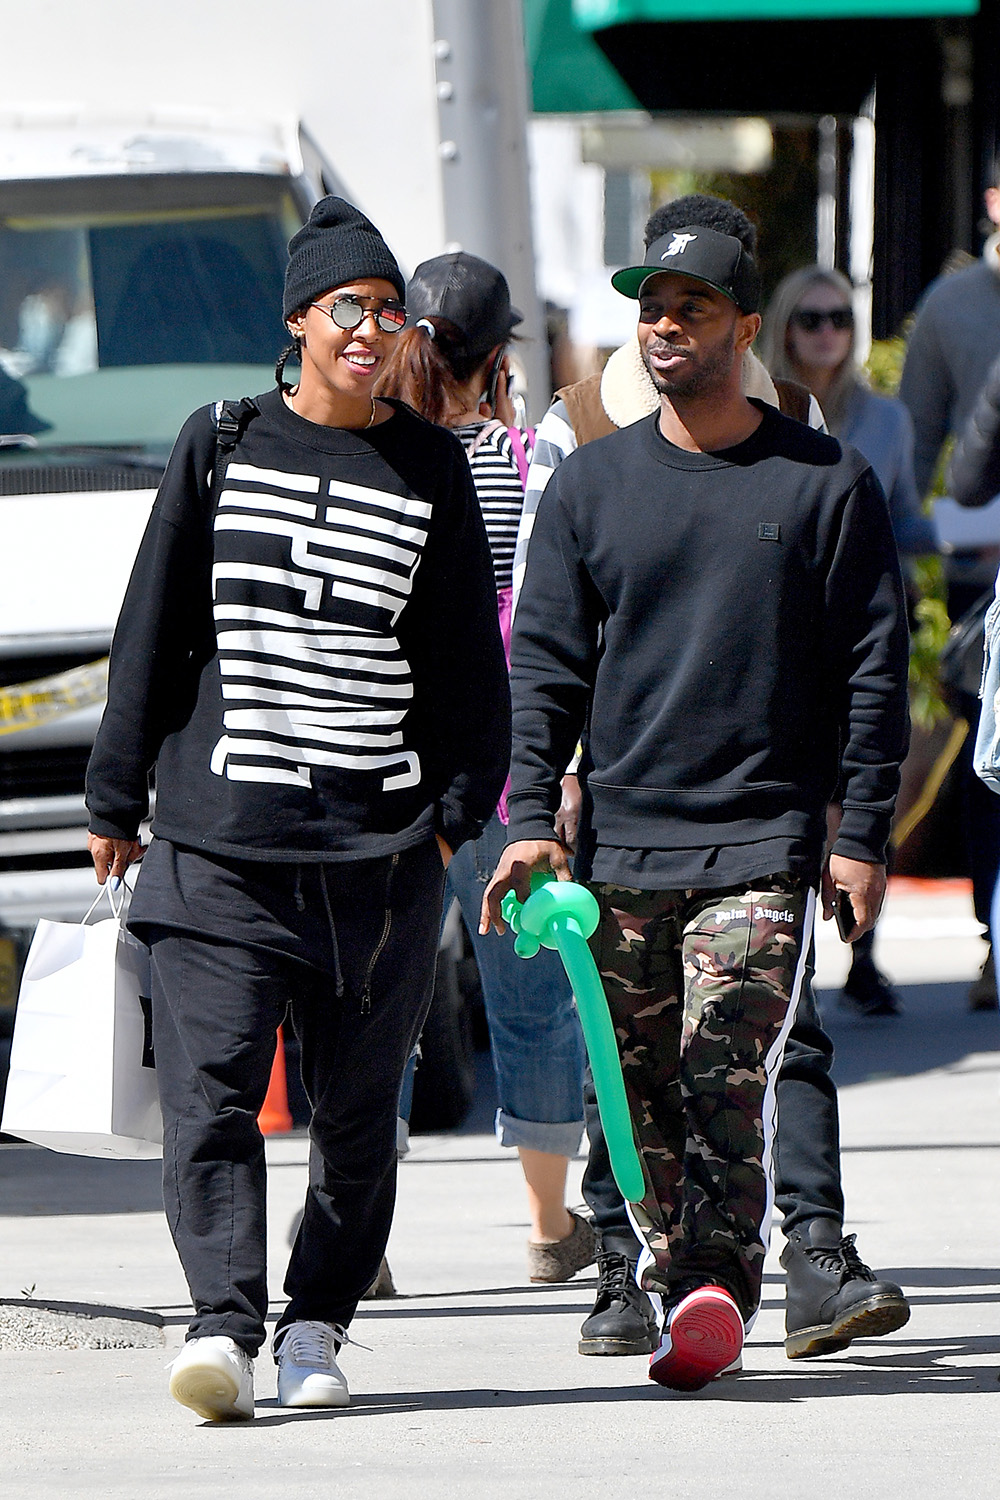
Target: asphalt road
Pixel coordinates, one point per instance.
(472, 1387)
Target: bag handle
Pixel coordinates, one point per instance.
(106, 890)
(487, 430)
(523, 444)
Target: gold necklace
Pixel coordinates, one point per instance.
(369, 423)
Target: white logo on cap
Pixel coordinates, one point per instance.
(678, 245)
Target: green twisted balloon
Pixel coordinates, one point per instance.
(562, 915)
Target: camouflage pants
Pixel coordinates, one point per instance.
(702, 987)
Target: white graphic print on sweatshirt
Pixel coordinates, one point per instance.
(304, 592)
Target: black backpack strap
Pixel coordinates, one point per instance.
(231, 420)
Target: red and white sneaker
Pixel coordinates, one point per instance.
(702, 1338)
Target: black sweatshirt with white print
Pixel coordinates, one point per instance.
(313, 663)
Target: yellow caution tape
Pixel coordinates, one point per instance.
(26, 705)
(8, 974)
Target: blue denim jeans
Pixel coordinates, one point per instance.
(535, 1036)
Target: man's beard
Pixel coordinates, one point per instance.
(694, 377)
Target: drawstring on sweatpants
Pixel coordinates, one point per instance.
(337, 975)
(300, 905)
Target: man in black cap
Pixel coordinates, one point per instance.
(831, 1296)
(713, 595)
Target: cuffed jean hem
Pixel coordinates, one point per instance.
(560, 1137)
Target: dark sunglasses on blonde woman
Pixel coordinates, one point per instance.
(811, 319)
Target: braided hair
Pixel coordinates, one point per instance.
(291, 351)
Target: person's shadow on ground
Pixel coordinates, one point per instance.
(935, 1030)
(933, 1366)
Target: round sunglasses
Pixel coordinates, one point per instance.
(811, 319)
(350, 311)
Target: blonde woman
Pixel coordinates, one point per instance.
(809, 336)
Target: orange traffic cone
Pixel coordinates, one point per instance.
(275, 1117)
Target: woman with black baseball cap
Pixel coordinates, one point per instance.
(451, 361)
(309, 654)
(451, 364)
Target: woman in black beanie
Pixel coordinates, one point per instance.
(340, 345)
(309, 654)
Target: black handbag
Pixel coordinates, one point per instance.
(960, 669)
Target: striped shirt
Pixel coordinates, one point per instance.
(498, 486)
(554, 441)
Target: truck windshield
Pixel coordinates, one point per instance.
(125, 302)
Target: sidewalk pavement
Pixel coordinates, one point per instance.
(473, 1387)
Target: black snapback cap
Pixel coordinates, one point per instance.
(470, 293)
(717, 259)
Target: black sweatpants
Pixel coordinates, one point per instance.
(807, 1146)
(349, 951)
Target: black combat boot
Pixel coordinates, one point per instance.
(831, 1296)
(623, 1320)
(867, 991)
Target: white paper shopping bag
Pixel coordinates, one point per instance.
(81, 1076)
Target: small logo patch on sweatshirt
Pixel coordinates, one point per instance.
(769, 531)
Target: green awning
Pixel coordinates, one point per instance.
(594, 15)
(569, 72)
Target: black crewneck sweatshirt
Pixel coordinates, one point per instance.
(313, 661)
(728, 631)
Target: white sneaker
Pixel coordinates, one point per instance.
(214, 1377)
(308, 1373)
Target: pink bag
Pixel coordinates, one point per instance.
(505, 605)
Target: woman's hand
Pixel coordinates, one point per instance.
(503, 406)
(113, 856)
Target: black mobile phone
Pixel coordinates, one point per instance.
(843, 913)
(494, 380)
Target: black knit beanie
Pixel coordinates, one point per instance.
(337, 245)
